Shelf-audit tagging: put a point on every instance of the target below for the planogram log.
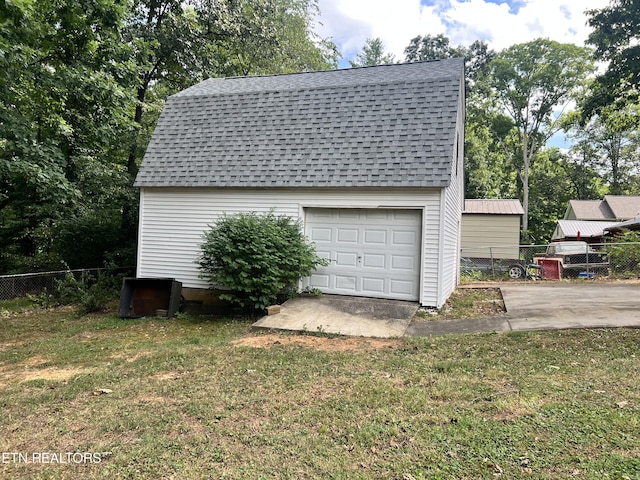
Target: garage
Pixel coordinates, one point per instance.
(373, 252)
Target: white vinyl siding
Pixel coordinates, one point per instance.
(500, 232)
(452, 206)
(173, 220)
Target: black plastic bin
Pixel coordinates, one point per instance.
(149, 297)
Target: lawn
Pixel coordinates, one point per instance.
(193, 398)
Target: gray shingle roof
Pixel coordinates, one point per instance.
(613, 207)
(623, 206)
(589, 210)
(385, 126)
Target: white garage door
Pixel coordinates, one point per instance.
(373, 252)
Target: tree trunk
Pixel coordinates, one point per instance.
(132, 164)
(525, 183)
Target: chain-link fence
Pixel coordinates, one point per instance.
(553, 261)
(20, 285)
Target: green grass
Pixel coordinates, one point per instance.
(199, 398)
(466, 303)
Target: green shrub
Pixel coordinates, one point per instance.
(256, 257)
(88, 292)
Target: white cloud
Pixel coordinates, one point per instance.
(351, 22)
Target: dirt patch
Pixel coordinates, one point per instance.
(337, 344)
(132, 357)
(166, 376)
(34, 361)
(33, 368)
(50, 374)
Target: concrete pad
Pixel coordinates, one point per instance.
(549, 306)
(553, 306)
(354, 316)
(441, 327)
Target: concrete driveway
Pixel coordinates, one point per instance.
(550, 306)
(530, 306)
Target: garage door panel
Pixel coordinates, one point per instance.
(347, 214)
(345, 259)
(400, 287)
(375, 237)
(403, 217)
(320, 234)
(346, 235)
(372, 260)
(319, 280)
(373, 285)
(344, 282)
(376, 215)
(373, 252)
(402, 262)
(405, 237)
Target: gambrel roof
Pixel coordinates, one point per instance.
(383, 126)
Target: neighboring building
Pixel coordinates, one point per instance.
(611, 208)
(618, 228)
(587, 231)
(491, 228)
(368, 159)
(590, 220)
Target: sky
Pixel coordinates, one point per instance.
(500, 23)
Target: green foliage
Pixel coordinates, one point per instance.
(615, 35)
(82, 83)
(530, 80)
(609, 142)
(88, 292)
(625, 256)
(372, 54)
(477, 56)
(256, 257)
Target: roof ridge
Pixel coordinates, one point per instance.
(450, 78)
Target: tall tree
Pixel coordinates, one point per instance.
(616, 38)
(62, 113)
(530, 80)
(485, 172)
(554, 181)
(372, 54)
(609, 142)
(81, 85)
(432, 47)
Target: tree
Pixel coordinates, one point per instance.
(178, 43)
(82, 83)
(609, 142)
(372, 54)
(485, 168)
(429, 47)
(616, 37)
(555, 180)
(62, 115)
(530, 80)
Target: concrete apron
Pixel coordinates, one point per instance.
(337, 314)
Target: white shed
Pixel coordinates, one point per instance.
(370, 159)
